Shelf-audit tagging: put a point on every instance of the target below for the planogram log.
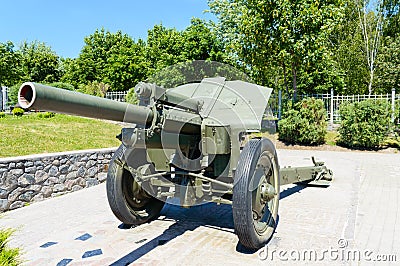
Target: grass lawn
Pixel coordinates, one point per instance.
(30, 134)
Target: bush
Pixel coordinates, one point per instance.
(2, 114)
(95, 88)
(305, 123)
(131, 97)
(46, 115)
(397, 112)
(8, 256)
(62, 85)
(364, 124)
(18, 111)
(13, 94)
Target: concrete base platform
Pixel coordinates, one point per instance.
(354, 221)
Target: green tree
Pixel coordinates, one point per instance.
(347, 46)
(111, 58)
(39, 62)
(169, 51)
(200, 42)
(391, 10)
(95, 88)
(116, 59)
(131, 96)
(126, 65)
(164, 48)
(291, 34)
(370, 22)
(13, 93)
(388, 66)
(10, 65)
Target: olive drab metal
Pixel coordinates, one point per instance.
(187, 142)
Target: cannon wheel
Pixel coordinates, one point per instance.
(256, 193)
(127, 199)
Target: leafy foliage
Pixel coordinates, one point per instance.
(388, 66)
(39, 62)
(18, 111)
(95, 88)
(33, 61)
(201, 43)
(305, 123)
(13, 94)
(116, 59)
(10, 61)
(364, 124)
(299, 46)
(2, 115)
(62, 85)
(184, 72)
(131, 97)
(347, 43)
(109, 58)
(8, 256)
(392, 12)
(46, 115)
(290, 34)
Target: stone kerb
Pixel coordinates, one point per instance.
(34, 178)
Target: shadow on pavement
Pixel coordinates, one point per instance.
(209, 215)
(289, 191)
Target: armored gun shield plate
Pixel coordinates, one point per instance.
(235, 103)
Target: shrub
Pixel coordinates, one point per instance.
(2, 114)
(397, 112)
(364, 124)
(305, 123)
(62, 85)
(8, 256)
(46, 115)
(13, 94)
(131, 97)
(18, 111)
(95, 88)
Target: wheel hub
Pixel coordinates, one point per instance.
(267, 192)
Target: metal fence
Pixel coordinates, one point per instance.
(117, 95)
(3, 98)
(331, 101)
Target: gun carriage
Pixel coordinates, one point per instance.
(187, 142)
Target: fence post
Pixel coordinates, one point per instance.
(393, 103)
(331, 107)
(279, 104)
(4, 97)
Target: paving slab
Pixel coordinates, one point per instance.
(355, 221)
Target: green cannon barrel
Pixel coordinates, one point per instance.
(40, 97)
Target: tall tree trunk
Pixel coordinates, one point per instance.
(371, 37)
(371, 79)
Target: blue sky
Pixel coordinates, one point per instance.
(63, 24)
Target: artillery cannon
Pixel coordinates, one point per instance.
(187, 142)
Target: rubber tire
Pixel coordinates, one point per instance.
(242, 196)
(116, 194)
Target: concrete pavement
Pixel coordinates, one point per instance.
(354, 221)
